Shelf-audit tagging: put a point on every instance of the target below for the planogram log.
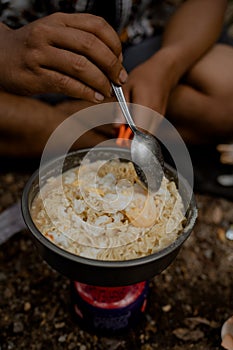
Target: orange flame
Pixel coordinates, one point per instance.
(124, 136)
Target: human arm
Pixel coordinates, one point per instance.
(72, 54)
(191, 31)
(26, 125)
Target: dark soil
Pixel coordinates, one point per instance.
(187, 306)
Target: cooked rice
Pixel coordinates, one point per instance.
(102, 212)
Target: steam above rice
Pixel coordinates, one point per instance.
(100, 210)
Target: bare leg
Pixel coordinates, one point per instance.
(202, 107)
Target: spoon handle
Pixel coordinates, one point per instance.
(124, 108)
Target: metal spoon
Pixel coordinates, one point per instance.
(145, 150)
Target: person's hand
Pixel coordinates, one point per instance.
(151, 83)
(72, 54)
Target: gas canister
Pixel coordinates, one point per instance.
(109, 309)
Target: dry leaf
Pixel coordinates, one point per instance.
(187, 335)
(194, 321)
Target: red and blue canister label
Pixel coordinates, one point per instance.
(109, 308)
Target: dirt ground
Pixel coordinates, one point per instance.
(187, 305)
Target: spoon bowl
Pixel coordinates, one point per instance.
(146, 152)
(148, 160)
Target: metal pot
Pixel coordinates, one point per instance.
(98, 272)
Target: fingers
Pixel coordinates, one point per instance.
(92, 36)
(74, 54)
(143, 112)
(86, 48)
(77, 67)
(58, 82)
(95, 25)
(96, 51)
